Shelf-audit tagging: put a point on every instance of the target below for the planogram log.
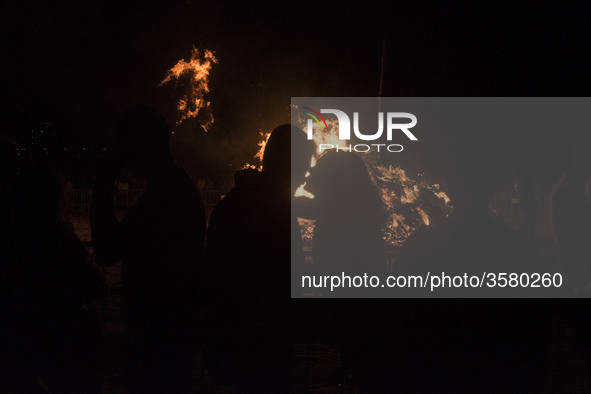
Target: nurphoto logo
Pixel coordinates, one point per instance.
(344, 127)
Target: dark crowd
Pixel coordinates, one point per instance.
(219, 288)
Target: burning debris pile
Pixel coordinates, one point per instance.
(409, 203)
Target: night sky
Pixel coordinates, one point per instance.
(78, 64)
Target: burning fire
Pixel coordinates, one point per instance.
(260, 152)
(410, 203)
(197, 69)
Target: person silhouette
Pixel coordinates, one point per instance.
(249, 251)
(571, 218)
(469, 241)
(347, 240)
(470, 332)
(8, 259)
(8, 176)
(160, 246)
(349, 216)
(59, 294)
(302, 151)
(570, 208)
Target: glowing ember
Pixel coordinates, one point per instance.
(442, 194)
(410, 203)
(307, 230)
(197, 69)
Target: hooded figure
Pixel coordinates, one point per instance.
(249, 243)
(160, 246)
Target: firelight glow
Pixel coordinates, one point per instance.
(408, 202)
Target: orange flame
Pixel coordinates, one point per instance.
(300, 192)
(260, 153)
(198, 70)
(262, 145)
(408, 202)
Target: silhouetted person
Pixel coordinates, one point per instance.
(8, 174)
(8, 249)
(470, 240)
(59, 294)
(571, 219)
(160, 246)
(249, 249)
(475, 345)
(571, 224)
(348, 239)
(302, 151)
(349, 215)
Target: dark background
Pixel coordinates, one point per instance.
(76, 65)
(69, 68)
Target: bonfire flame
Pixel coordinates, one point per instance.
(409, 203)
(259, 155)
(197, 69)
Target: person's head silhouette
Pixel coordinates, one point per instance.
(342, 186)
(471, 181)
(142, 140)
(287, 155)
(338, 174)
